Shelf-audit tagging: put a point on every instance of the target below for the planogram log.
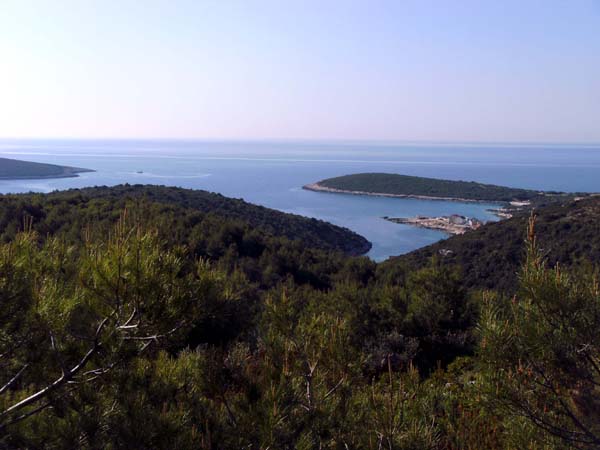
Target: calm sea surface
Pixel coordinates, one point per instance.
(272, 174)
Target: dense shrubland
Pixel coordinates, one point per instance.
(140, 332)
(490, 257)
(175, 211)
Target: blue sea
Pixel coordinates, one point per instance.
(273, 173)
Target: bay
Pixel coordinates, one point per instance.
(273, 173)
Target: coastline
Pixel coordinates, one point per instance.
(451, 225)
(316, 187)
(68, 172)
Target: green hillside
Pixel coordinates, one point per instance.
(16, 169)
(157, 317)
(490, 257)
(68, 210)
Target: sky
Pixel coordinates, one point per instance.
(400, 70)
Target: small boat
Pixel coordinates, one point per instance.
(140, 171)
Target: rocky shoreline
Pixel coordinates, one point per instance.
(453, 225)
(320, 188)
(47, 177)
(502, 213)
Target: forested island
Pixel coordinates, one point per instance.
(14, 169)
(405, 186)
(157, 317)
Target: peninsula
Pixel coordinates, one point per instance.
(454, 224)
(14, 169)
(405, 186)
(509, 201)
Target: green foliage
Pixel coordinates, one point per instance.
(99, 336)
(176, 212)
(491, 257)
(439, 313)
(196, 331)
(540, 352)
(389, 183)
(70, 318)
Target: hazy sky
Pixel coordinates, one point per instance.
(444, 70)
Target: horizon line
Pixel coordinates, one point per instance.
(326, 141)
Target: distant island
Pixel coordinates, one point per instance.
(510, 200)
(14, 169)
(395, 185)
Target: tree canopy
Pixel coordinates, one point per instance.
(159, 327)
